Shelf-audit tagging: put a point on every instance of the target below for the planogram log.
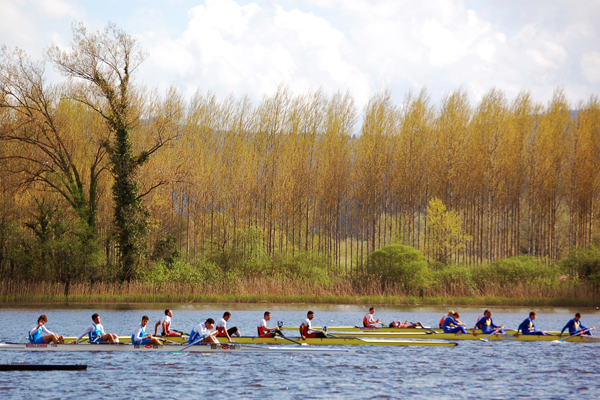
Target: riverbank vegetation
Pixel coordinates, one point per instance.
(106, 184)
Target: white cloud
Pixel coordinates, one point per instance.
(590, 65)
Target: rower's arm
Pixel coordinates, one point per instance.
(164, 327)
(87, 330)
(156, 327)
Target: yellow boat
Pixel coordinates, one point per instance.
(344, 341)
(383, 329)
(470, 336)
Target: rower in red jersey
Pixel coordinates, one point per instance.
(165, 323)
(306, 330)
(222, 330)
(263, 330)
(368, 321)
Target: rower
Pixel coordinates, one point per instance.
(201, 334)
(222, 330)
(450, 314)
(406, 325)
(96, 333)
(452, 324)
(527, 327)
(368, 321)
(486, 324)
(575, 326)
(39, 334)
(263, 330)
(165, 322)
(139, 335)
(306, 325)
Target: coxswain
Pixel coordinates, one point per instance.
(139, 335)
(406, 325)
(263, 330)
(203, 334)
(305, 328)
(96, 333)
(222, 330)
(452, 324)
(576, 327)
(486, 324)
(450, 314)
(368, 321)
(527, 327)
(165, 323)
(39, 334)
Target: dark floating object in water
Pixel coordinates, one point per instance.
(41, 367)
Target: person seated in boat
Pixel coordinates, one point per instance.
(486, 324)
(96, 333)
(406, 325)
(306, 328)
(527, 327)
(39, 334)
(263, 330)
(368, 321)
(452, 324)
(139, 335)
(575, 326)
(222, 330)
(165, 323)
(203, 333)
(450, 314)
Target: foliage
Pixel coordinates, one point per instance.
(167, 249)
(401, 264)
(585, 262)
(205, 273)
(445, 235)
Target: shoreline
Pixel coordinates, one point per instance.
(8, 300)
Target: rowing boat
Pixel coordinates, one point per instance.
(383, 329)
(347, 341)
(224, 348)
(470, 336)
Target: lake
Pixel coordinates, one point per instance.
(473, 369)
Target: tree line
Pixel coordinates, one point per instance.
(102, 176)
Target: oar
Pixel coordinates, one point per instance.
(292, 340)
(486, 339)
(577, 334)
(189, 345)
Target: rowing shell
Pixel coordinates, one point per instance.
(470, 336)
(225, 348)
(346, 341)
(383, 329)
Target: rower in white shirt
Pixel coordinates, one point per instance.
(201, 334)
(139, 335)
(263, 330)
(222, 330)
(96, 333)
(306, 328)
(39, 334)
(165, 323)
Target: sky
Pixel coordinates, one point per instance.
(244, 47)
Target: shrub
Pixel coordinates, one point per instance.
(401, 264)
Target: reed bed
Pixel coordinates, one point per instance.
(258, 289)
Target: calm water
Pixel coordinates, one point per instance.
(474, 369)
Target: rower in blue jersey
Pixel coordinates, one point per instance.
(201, 334)
(452, 324)
(486, 324)
(527, 327)
(139, 335)
(96, 333)
(39, 334)
(575, 326)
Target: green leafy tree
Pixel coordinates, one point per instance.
(445, 234)
(400, 264)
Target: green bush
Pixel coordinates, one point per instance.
(401, 264)
(520, 269)
(585, 263)
(180, 272)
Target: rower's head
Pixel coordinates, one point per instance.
(532, 315)
(310, 315)
(168, 313)
(487, 313)
(209, 323)
(43, 319)
(145, 320)
(96, 318)
(372, 310)
(226, 315)
(577, 317)
(451, 313)
(267, 315)
(456, 315)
